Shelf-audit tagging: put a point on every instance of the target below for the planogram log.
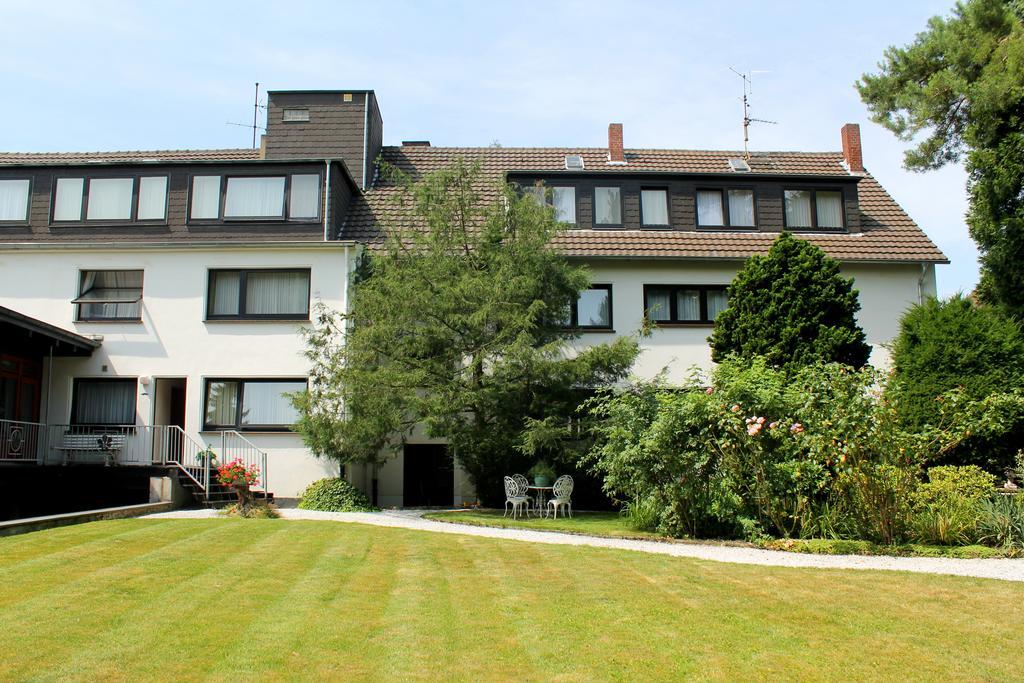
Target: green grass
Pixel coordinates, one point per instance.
(824, 546)
(592, 523)
(234, 599)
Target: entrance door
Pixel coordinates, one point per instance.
(428, 476)
(169, 410)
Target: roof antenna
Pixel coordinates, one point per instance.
(256, 106)
(747, 120)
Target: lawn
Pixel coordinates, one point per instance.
(228, 599)
(592, 523)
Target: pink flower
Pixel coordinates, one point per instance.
(760, 420)
(709, 391)
(796, 428)
(773, 425)
(735, 409)
(753, 429)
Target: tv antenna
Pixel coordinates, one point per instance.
(747, 119)
(256, 107)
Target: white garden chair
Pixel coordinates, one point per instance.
(561, 495)
(524, 490)
(513, 498)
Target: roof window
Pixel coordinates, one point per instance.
(296, 115)
(573, 162)
(739, 165)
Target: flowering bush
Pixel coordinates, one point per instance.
(236, 474)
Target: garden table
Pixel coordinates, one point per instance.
(540, 499)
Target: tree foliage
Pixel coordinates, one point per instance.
(945, 345)
(960, 84)
(793, 308)
(455, 329)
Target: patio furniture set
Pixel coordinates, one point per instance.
(544, 499)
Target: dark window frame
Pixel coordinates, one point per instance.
(285, 217)
(673, 292)
(723, 193)
(668, 207)
(97, 319)
(133, 218)
(75, 397)
(622, 215)
(549, 197)
(574, 313)
(814, 208)
(242, 381)
(28, 203)
(243, 274)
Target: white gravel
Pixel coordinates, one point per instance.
(1004, 569)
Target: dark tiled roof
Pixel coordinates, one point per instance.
(888, 233)
(129, 157)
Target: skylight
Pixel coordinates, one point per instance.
(573, 162)
(739, 165)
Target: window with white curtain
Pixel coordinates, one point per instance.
(741, 208)
(110, 199)
(830, 209)
(654, 207)
(254, 197)
(814, 209)
(67, 200)
(14, 199)
(304, 196)
(593, 309)
(107, 295)
(152, 198)
(205, 197)
(709, 208)
(798, 208)
(256, 294)
(684, 304)
(564, 201)
(607, 206)
(103, 402)
(251, 404)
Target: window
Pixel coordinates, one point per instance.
(607, 206)
(258, 294)
(14, 199)
(255, 197)
(593, 309)
(654, 207)
(736, 211)
(251, 404)
(110, 199)
(563, 199)
(103, 402)
(110, 295)
(814, 209)
(295, 115)
(684, 304)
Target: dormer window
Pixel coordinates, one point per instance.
(14, 199)
(608, 206)
(717, 208)
(814, 209)
(654, 207)
(562, 199)
(295, 197)
(135, 198)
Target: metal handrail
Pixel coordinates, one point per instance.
(234, 446)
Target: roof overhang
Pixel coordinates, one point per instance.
(19, 328)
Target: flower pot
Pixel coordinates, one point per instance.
(541, 480)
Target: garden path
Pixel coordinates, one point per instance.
(1004, 569)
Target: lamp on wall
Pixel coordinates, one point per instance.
(145, 382)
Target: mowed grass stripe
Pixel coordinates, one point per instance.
(284, 600)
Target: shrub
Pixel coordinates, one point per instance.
(255, 510)
(641, 514)
(947, 344)
(949, 486)
(793, 308)
(334, 494)
(1001, 522)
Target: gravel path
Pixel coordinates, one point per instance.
(1004, 569)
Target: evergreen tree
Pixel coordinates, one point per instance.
(961, 83)
(792, 307)
(456, 327)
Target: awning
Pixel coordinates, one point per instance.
(110, 295)
(22, 334)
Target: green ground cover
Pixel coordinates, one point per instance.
(234, 599)
(592, 523)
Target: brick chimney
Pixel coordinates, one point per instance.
(851, 147)
(616, 155)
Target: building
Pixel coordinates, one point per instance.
(169, 286)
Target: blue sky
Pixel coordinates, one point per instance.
(166, 75)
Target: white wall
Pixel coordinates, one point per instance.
(885, 291)
(173, 340)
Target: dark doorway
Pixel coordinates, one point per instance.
(169, 411)
(428, 476)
